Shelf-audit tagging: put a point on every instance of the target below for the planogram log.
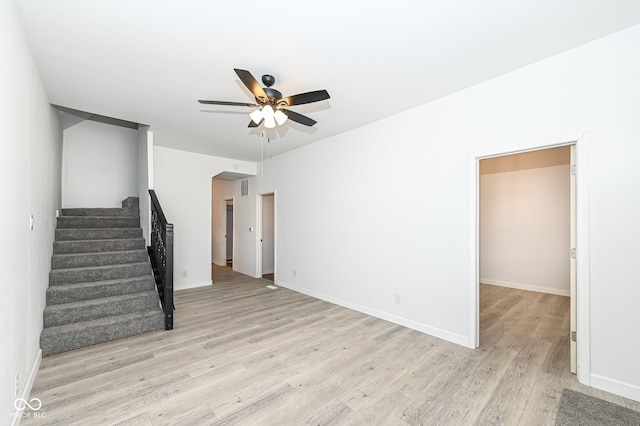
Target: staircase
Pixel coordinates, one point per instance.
(101, 287)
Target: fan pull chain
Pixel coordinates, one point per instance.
(262, 152)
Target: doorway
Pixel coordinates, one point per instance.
(266, 249)
(228, 218)
(525, 235)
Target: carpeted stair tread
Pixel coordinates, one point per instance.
(98, 273)
(80, 260)
(97, 234)
(72, 336)
(88, 310)
(75, 222)
(111, 212)
(67, 293)
(99, 245)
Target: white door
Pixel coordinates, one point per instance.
(267, 237)
(573, 263)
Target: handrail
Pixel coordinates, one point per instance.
(161, 256)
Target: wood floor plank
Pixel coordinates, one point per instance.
(241, 353)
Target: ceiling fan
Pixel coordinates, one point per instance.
(270, 103)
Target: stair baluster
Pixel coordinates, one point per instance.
(161, 255)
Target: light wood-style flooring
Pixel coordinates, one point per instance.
(241, 353)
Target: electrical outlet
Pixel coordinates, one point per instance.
(295, 273)
(396, 298)
(17, 392)
(184, 273)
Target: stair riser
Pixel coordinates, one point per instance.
(97, 234)
(92, 246)
(79, 222)
(56, 340)
(62, 294)
(71, 276)
(97, 259)
(61, 314)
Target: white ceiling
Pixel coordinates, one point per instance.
(148, 61)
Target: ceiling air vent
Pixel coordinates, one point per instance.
(244, 187)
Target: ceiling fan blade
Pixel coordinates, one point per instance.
(252, 84)
(226, 103)
(306, 98)
(299, 118)
(253, 123)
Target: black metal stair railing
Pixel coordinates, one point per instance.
(161, 255)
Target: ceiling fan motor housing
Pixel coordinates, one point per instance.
(273, 94)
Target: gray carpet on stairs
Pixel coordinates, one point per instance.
(101, 286)
(579, 409)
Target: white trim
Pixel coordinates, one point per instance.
(623, 389)
(474, 253)
(149, 159)
(26, 391)
(185, 286)
(583, 285)
(258, 237)
(414, 325)
(275, 235)
(527, 287)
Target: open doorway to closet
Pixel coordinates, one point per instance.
(526, 231)
(266, 248)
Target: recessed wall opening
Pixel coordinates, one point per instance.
(526, 229)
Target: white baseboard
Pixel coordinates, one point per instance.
(616, 387)
(184, 286)
(414, 325)
(526, 287)
(26, 391)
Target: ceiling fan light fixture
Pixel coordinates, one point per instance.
(280, 117)
(267, 111)
(256, 116)
(268, 101)
(268, 114)
(269, 122)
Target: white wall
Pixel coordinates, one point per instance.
(385, 208)
(99, 165)
(182, 181)
(145, 178)
(30, 158)
(524, 229)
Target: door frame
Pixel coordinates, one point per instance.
(224, 230)
(259, 234)
(580, 140)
